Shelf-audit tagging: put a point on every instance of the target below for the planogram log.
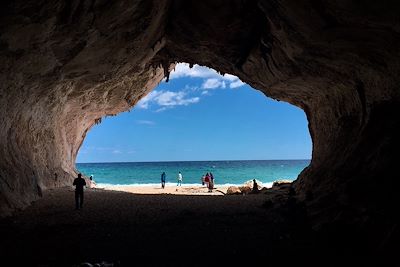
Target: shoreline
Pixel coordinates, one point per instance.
(172, 188)
(157, 190)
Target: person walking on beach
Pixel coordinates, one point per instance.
(179, 179)
(92, 182)
(163, 177)
(79, 184)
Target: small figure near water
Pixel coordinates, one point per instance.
(163, 178)
(92, 182)
(211, 182)
(79, 184)
(207, 180)
(210, 186)
(255, 186)
(180, 178)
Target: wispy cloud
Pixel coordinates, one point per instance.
(213, 83)
(162, 100)
(213, 79)
(162, 109)
(237, 83)
(145, 122)
(183, 70)
(167, 99)
(144, 102)
(116, 151)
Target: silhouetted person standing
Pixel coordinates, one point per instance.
(163, 177)
(79, 184)
(255, 186)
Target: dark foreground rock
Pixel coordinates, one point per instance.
(175, 230)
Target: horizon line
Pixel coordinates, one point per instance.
(188, 161)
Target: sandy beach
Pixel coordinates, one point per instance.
(175, 190)
(176, 228)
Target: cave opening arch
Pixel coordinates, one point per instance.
(210, 113)
(63, 67)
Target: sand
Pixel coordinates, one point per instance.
(177, 228)
(176, 190)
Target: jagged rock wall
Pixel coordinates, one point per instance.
(63, 69)
(64, 66)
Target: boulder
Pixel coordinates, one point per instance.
(250, 184)
(280, 182)
(233, 190)
(245, 189)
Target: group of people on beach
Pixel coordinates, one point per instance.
(80, 183)
(208, 180)
(164, 178)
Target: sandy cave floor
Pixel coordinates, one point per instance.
(159, 230)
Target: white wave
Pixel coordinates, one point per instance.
(106, 185)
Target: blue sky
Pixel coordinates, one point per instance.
(200, 115)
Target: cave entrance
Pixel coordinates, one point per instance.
(198, 122)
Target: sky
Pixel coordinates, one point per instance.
(200, 115)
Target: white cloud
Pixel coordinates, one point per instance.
(236, 83)
(169, 98)
(166, 99)
(144, 102)
(213, 83)
(230, 77)
(191, 88)
(213, 79)
(116, 151)
(183, 70)
(161, 109)
(145, 122)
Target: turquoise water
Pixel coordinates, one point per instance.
(225, 172)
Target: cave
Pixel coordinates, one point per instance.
(66, 64)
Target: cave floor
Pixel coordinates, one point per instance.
(162, 230)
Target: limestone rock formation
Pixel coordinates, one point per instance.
(245, 189)
(233, 190)
(250, 184)
(281, 184)
(64, 65)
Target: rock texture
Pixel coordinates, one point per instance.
(233, 190)
(66, 64)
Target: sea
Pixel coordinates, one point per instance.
(225, 172)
